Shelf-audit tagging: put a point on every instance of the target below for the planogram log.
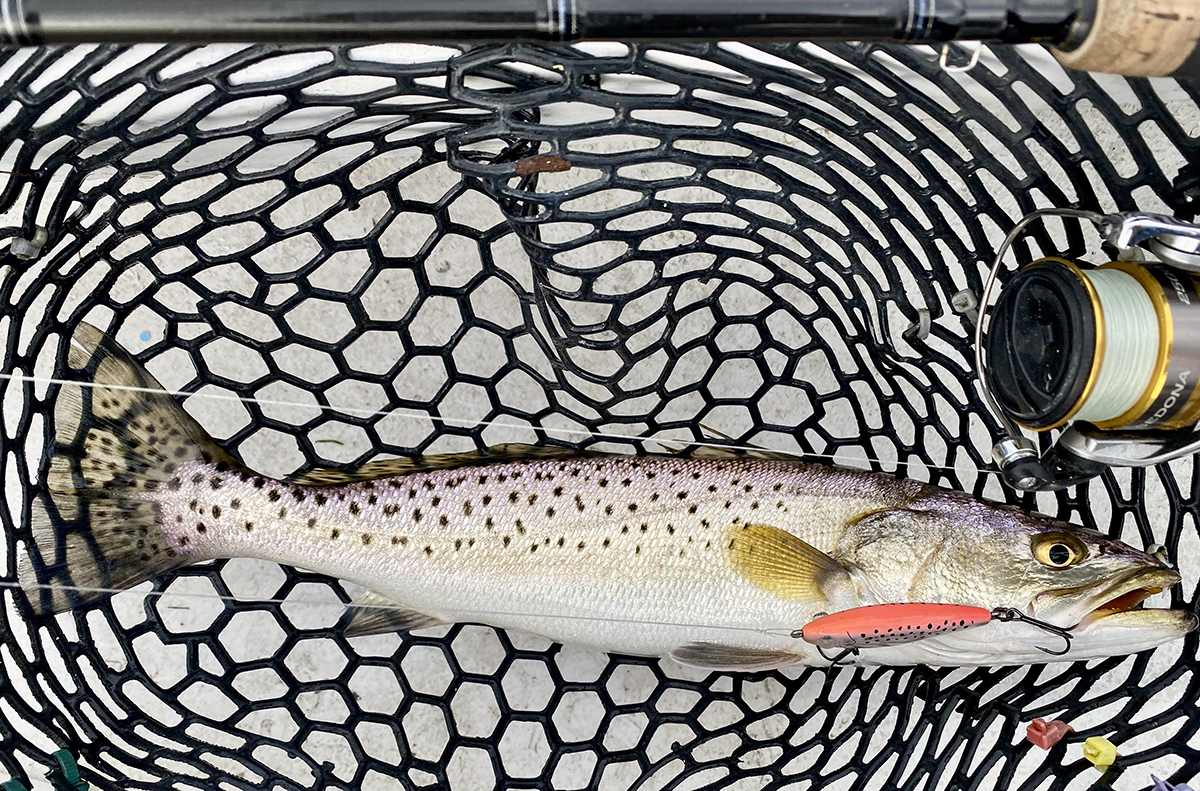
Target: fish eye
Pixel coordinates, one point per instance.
(1058, 550)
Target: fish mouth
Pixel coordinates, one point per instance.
(1127, 594)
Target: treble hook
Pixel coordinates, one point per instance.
(837, 660)
(1010, 614)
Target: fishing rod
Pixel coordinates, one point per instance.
(1130, 37)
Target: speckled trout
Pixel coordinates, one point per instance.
(714, 562)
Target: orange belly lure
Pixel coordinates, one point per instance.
(878, 625)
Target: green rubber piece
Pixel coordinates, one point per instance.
(69, 769)
(12, 785)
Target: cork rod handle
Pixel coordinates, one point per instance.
(1140, 38)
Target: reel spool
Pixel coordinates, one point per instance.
(1114, 351)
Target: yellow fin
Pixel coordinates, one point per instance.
(389, 467)
(782, 564)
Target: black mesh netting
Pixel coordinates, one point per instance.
(382, 245)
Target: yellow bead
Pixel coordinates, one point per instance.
(1100, 751)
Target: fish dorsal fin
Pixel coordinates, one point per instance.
(377, 614)
(784, 565)
(389, 467)
(715, 656)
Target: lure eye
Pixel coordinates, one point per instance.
(1058, 550)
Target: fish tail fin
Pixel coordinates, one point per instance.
(96, 527)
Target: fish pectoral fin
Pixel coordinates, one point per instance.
(715, 656)
(783, 564)
(376, 614)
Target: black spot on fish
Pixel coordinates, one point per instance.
(368, 484)
(514, 496)
(235, 503)
(216, 512)
(312, 522)
(215, 483)
(579, 503)
(637, 550)
(550, 513)
(412, 492)
(428, 550)
(671, 529)
(175, 484)
(180, 452)
(483, 479)
(532, 499)
(747, 488)
(754, 505)
(626, 482)
(507, 540)
(354, 509)
(692, 508)
(728, 503)
(390, 509)
(183, 541)
(197, 478)
(192, 505)
(777, 487)
(298, 494)
(282, 513)
(366, 539)
(633, 506)
(334, 533)
(520, 527)
(468, 509)
(428, 485)
(654, 497)
(490, 523)
(417, 515)
(249, 527)
(681, 496)
(533, 548)
(395, 540)
(624, 528)
(603, 482)
(606, 542)
(579, 546)
(258, 483)
(436, 501)
(457, 544)
(372, 500)
(487, 499)
(273, 495)
(443, 520)
(712, 487)
(558, 490)
(561, 541)
(608, 509)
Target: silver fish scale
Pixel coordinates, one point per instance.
(609, 547)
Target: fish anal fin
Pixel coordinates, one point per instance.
(388, 467)
(717, 656)
(783, 564)
(376, 614)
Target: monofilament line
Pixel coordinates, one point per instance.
(457, 423)
(357, 605)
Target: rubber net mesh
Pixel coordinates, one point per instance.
(404, 249)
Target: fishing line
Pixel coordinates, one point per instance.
(463, 423)
(364, 606)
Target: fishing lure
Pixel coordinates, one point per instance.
(879, 625)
